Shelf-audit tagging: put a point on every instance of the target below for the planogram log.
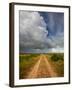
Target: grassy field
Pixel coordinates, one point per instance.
(27, 61)
(57, 61)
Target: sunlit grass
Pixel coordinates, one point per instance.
(57, 61)
(27, 61)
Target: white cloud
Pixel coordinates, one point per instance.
(33, 33)
(58, 50)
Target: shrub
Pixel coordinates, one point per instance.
(56, 57)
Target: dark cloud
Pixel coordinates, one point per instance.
(54, 22)
(41, 32)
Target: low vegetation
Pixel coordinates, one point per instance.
(56, 57)
(26, 61)
(57, 61)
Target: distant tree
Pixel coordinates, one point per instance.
(56, 57)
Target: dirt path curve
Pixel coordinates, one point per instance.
(42, 69)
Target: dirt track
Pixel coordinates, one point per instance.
(42, 69)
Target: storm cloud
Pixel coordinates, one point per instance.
(36, 32)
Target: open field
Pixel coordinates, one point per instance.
(41, 65)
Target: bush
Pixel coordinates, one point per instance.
(56, 57)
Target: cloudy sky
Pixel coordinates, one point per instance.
(41, 32)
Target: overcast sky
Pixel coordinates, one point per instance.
(41, 32)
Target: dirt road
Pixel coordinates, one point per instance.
(42, 69)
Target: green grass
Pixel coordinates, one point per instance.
(26, 61)
(57, 61)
